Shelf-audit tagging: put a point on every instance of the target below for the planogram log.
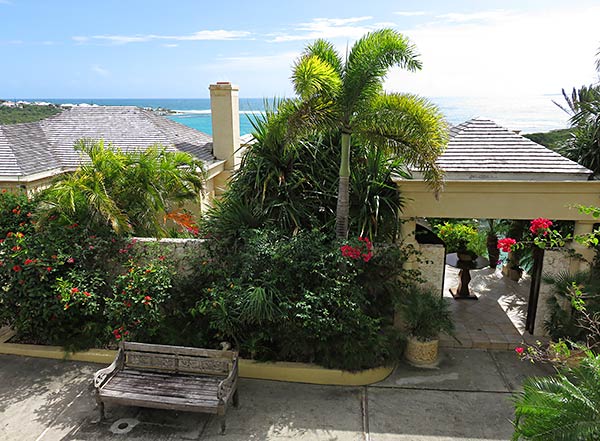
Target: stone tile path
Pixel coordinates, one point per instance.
(497, 319)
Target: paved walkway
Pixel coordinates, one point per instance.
(496, 320)
(466, 398)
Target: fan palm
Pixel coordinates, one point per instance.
(565, 407)
(348, 96)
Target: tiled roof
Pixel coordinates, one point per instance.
(481, 149)
(47, 145)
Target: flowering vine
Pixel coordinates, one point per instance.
(362, 251)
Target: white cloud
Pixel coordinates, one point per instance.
(327, 28)
(219, 34)
(501, 52)
(410, 13)
(283, 60)
(481, 16)
(100, 70)
(169, 45)
(80, 39)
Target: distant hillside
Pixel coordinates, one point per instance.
(553, 139)
(26, 113)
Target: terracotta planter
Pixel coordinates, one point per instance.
(421, 353)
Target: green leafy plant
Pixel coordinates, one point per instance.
(459, 237)
(565, 407)
(126, 192)
(284, 298)
(426, 315)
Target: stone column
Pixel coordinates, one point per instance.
(224, 107)
(582, 228)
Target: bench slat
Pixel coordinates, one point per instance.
(160, 402)
(163, 385)
(178, 350)
(177, 363)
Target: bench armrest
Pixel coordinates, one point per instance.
(226, 384)
(103, 375)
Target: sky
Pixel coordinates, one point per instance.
(158, 49)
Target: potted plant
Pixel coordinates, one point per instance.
(460, 239)
(425, 316)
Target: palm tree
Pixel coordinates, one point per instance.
(348, 96)
(565, 407)
(129, 192)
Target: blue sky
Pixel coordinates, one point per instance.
(157, 49)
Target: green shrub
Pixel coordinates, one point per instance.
(459, 237)
(286, 298)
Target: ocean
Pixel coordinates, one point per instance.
(529, 114)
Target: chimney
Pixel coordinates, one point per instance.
(224, 107)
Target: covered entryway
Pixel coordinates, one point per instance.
(494, 173)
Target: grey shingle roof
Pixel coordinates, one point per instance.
(47, 145)
(481, 149)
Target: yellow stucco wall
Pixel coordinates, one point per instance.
(500, 199)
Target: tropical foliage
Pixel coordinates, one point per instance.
(26, 113)
(565, 407)
(128, 192)
(426, 314)
(291, 185)
(347, 97)
(284, 298)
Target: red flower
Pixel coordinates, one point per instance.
(87, 294)
(147, 300)
(161, 257)
(49, 268)
(9, 234)
(506, 244)
(519, 350)
(74, 290)
(70, 260)
(17, 268)
(540, 226)
(19, 235)
(16, 248)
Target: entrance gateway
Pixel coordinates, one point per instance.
(494, 173)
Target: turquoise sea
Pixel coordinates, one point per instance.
(526, 113)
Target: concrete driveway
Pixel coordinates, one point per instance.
(466, 398)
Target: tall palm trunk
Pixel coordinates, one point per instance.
(343, 199)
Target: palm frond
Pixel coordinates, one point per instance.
(369, 61)
(408, 126)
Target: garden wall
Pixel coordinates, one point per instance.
(432, 266)
(179, 251)
(555, 261)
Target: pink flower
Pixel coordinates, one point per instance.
(70, 260)
(519, 350)
(506, 244)
(540, 226)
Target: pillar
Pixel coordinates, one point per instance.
(582, 228)
(224, 107)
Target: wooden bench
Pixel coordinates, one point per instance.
(170, 377)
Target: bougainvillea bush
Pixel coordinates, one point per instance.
(58, 282)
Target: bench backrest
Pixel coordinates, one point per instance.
(178, 359)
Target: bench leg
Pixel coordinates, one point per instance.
(223, 426)
(101, 411)
(100, 408)
(236, 399)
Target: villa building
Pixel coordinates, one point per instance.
(32, 154)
